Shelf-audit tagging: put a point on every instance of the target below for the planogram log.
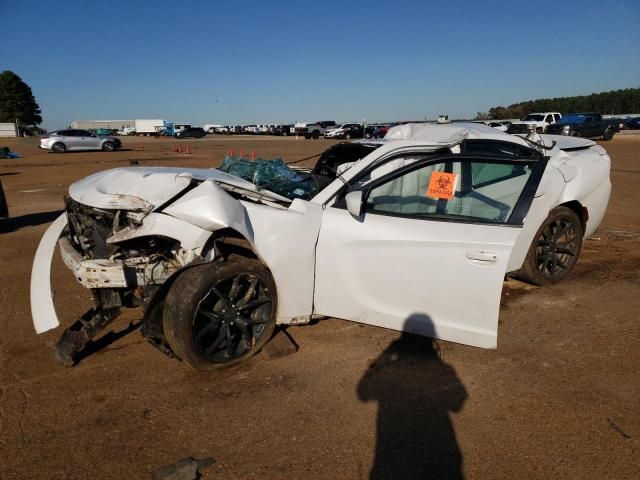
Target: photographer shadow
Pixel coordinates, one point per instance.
(416, 391)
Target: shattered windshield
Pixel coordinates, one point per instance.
(273, 175)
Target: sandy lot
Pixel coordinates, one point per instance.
(559, 398)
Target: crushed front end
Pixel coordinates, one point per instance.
(121, 268)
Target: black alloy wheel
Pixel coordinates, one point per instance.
(220, 314)
(555, 248)
(231, 318)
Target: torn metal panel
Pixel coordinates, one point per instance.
(92, 273)
(190, 236)
(209, 207)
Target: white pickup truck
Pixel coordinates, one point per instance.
(313, 129)
(534, 122)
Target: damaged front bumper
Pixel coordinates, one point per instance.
(124, 279)
(43, 311)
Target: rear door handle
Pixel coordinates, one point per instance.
(484, 257)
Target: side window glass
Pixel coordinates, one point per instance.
(471, 191)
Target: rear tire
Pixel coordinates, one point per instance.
(555, 248)
(316, 135)
(108, 146)
(59, 147)
(575, 133)
(347, 136)
(220, 314)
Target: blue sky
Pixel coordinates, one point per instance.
(279, 61)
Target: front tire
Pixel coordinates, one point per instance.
(575, 133)
(608, 134)
(220, 314)
(59, 147)
(555, 248)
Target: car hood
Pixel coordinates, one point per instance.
(146, 188)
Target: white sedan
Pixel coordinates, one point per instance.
(417, 236)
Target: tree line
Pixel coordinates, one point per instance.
(614, 102)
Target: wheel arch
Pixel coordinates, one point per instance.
(223, 243)
(580, 210)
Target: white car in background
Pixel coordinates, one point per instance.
(415, 236)
(534, 122)
(73, 139)
(502, 126)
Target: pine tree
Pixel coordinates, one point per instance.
(17, 101)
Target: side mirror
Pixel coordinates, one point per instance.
(354, 202)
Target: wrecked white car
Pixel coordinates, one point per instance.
(416, 235)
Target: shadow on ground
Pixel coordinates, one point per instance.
(416, 391)
(30, 220)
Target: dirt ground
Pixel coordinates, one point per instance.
(559, 398)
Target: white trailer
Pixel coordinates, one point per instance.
(148, 126)
(8, 130)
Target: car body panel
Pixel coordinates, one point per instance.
(133, 188)
(411, 275)
(43, 312)
(283, 238)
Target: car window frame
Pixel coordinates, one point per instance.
(518, 213)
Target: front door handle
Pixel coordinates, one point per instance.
(484, 257)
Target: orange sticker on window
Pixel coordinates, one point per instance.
(442, 185)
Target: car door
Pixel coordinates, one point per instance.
(84, 140)
(429, 252)
(587, 126)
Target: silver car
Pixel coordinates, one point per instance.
(74, 139)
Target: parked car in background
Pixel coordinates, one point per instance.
(502, 126)
(104, 131)
(71, 139)
(282, 130)
(587, 124)
(534, 122)
(632, 123)
(346, 131)
(309, 130)
(211, 128)
(382, 130)
(126, 131)
(191, 132)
